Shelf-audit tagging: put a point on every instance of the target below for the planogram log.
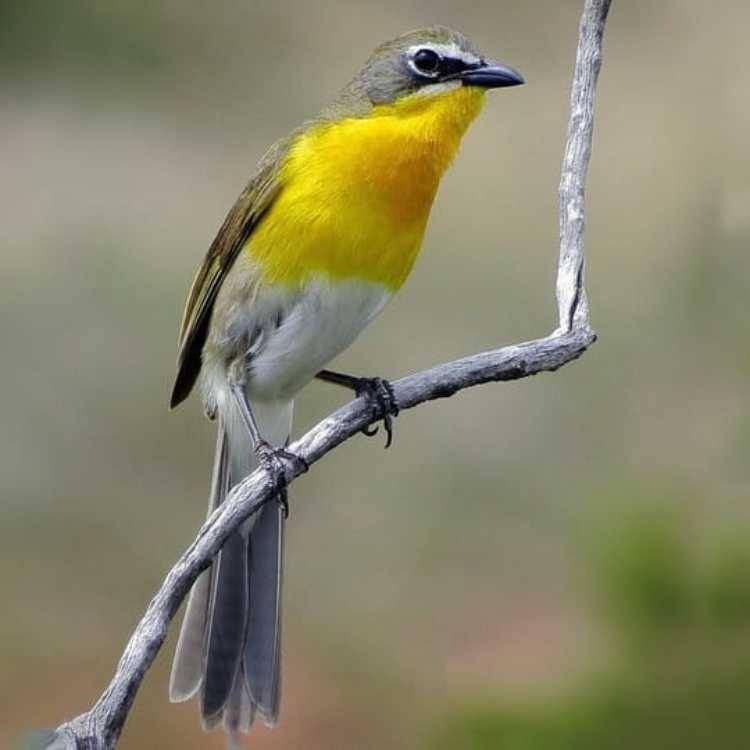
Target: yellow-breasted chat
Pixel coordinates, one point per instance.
(323, 235)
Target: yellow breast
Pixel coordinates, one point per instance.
(356, 193)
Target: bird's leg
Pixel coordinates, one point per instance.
(271, 459)
(377, 391)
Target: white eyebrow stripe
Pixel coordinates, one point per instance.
(451, 50)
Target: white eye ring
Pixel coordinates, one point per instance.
(428, 65)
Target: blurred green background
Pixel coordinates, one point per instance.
(558, 563)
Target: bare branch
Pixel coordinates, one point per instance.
(572, 304)
(100, 727)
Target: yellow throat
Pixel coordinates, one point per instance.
(356, 193)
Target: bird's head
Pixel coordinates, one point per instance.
(428, 62)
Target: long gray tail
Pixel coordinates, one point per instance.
(228, 651)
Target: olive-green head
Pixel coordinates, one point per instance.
(428, 60)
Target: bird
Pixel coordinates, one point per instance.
(323, 235)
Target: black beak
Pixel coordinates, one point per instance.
(491, 74)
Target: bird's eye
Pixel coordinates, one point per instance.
(426, 61)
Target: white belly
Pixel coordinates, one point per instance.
(312, 327)
(324, 321)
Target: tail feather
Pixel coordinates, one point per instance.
(263, 647)
(229, 646)
(187, 665)
(227, 629)
(239, 711)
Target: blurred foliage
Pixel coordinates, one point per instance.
(727, 582)
(685, 685)
(645, 571)
(709, 711)
(655, 581)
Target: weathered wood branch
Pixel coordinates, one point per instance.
(100, 727)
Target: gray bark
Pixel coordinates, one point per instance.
(99, 728)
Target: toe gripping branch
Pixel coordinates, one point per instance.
(379, 394)
(274, 461)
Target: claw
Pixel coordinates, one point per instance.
(388, 426)
(385, 408)
(283, 500)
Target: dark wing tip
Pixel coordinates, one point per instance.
(176, 398)
(187, 374)
(189, 363)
